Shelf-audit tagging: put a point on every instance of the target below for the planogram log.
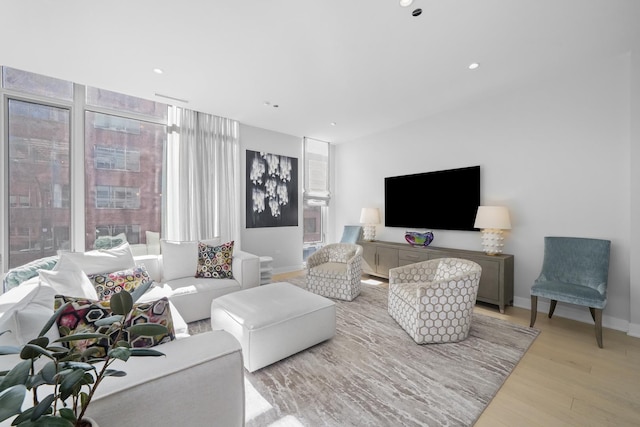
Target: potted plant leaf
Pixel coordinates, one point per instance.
(71, 376)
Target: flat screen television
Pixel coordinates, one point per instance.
(440, 200)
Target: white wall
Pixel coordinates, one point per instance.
(283, 244)
(555, 151)
(634, 159)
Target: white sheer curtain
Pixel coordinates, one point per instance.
(203, 177)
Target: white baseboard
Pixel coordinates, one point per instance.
(288, 269)
(634, 330)
(574, 312)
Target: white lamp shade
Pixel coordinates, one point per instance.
(370, 216)
(496, 217)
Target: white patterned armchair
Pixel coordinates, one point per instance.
(433, 300)
(335, 271)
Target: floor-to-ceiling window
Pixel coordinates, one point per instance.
(37, 131)
(123, 144)
(38, 185)
(316, 194)
(124, 140)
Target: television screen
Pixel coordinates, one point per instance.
(441, 200)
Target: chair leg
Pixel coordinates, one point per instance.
(552, 307)
(593, 313)
(534, 310)
(597, 312)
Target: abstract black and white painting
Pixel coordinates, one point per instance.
(272, 190)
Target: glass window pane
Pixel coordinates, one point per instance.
(312, 220)
(123, 177)
(39, 217)
(121, 102)
(36, 84)
(316, 169)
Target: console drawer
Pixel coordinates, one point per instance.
(409, 257)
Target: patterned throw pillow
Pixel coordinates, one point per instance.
(108, 284)
(214, 262)
(80, 317)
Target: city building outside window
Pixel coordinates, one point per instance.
(123, 166)
(38, 163)
(124, 139)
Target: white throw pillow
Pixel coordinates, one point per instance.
(216, 241)
(102, 260)
(153, 242)
(24, 310)
(68, 279)
(179, 259)
(9, 330)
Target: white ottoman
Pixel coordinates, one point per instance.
(274, 321)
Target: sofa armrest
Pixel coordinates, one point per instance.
(200, 382)
(246, 269)
(138, 249)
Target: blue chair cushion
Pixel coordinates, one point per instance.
(351, 234)
(570, 293)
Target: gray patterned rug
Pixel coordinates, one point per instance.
(373, 374)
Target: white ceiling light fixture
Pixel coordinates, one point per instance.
(333, 123)
(473, 65)
(406, 3)
(158, 70)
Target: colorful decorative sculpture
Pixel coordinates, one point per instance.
(418, 239)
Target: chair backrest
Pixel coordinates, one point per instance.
(341, 252)
(351, 234)
(576, 260)
(448, 268)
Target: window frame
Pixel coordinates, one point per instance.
(74, 197)
(6, 96)
(315, 197)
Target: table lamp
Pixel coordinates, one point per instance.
(369, 217)
(492, 220)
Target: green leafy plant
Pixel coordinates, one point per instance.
(71, 376)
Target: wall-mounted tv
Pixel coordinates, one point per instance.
(440, 200)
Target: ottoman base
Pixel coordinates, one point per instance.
(274, 321)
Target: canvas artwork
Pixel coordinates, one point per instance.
(272, 190)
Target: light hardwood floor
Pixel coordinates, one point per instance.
(564, 379)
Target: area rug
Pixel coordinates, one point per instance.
(373, 374)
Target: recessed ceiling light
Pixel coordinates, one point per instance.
(158, 70)
(473, 66)
(333, 123)
(405, 3)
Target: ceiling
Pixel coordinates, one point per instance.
(367, 65)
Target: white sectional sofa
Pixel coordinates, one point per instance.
(191, 295)
(174, 269)
(201, 379)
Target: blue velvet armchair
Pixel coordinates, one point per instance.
(574, 270)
